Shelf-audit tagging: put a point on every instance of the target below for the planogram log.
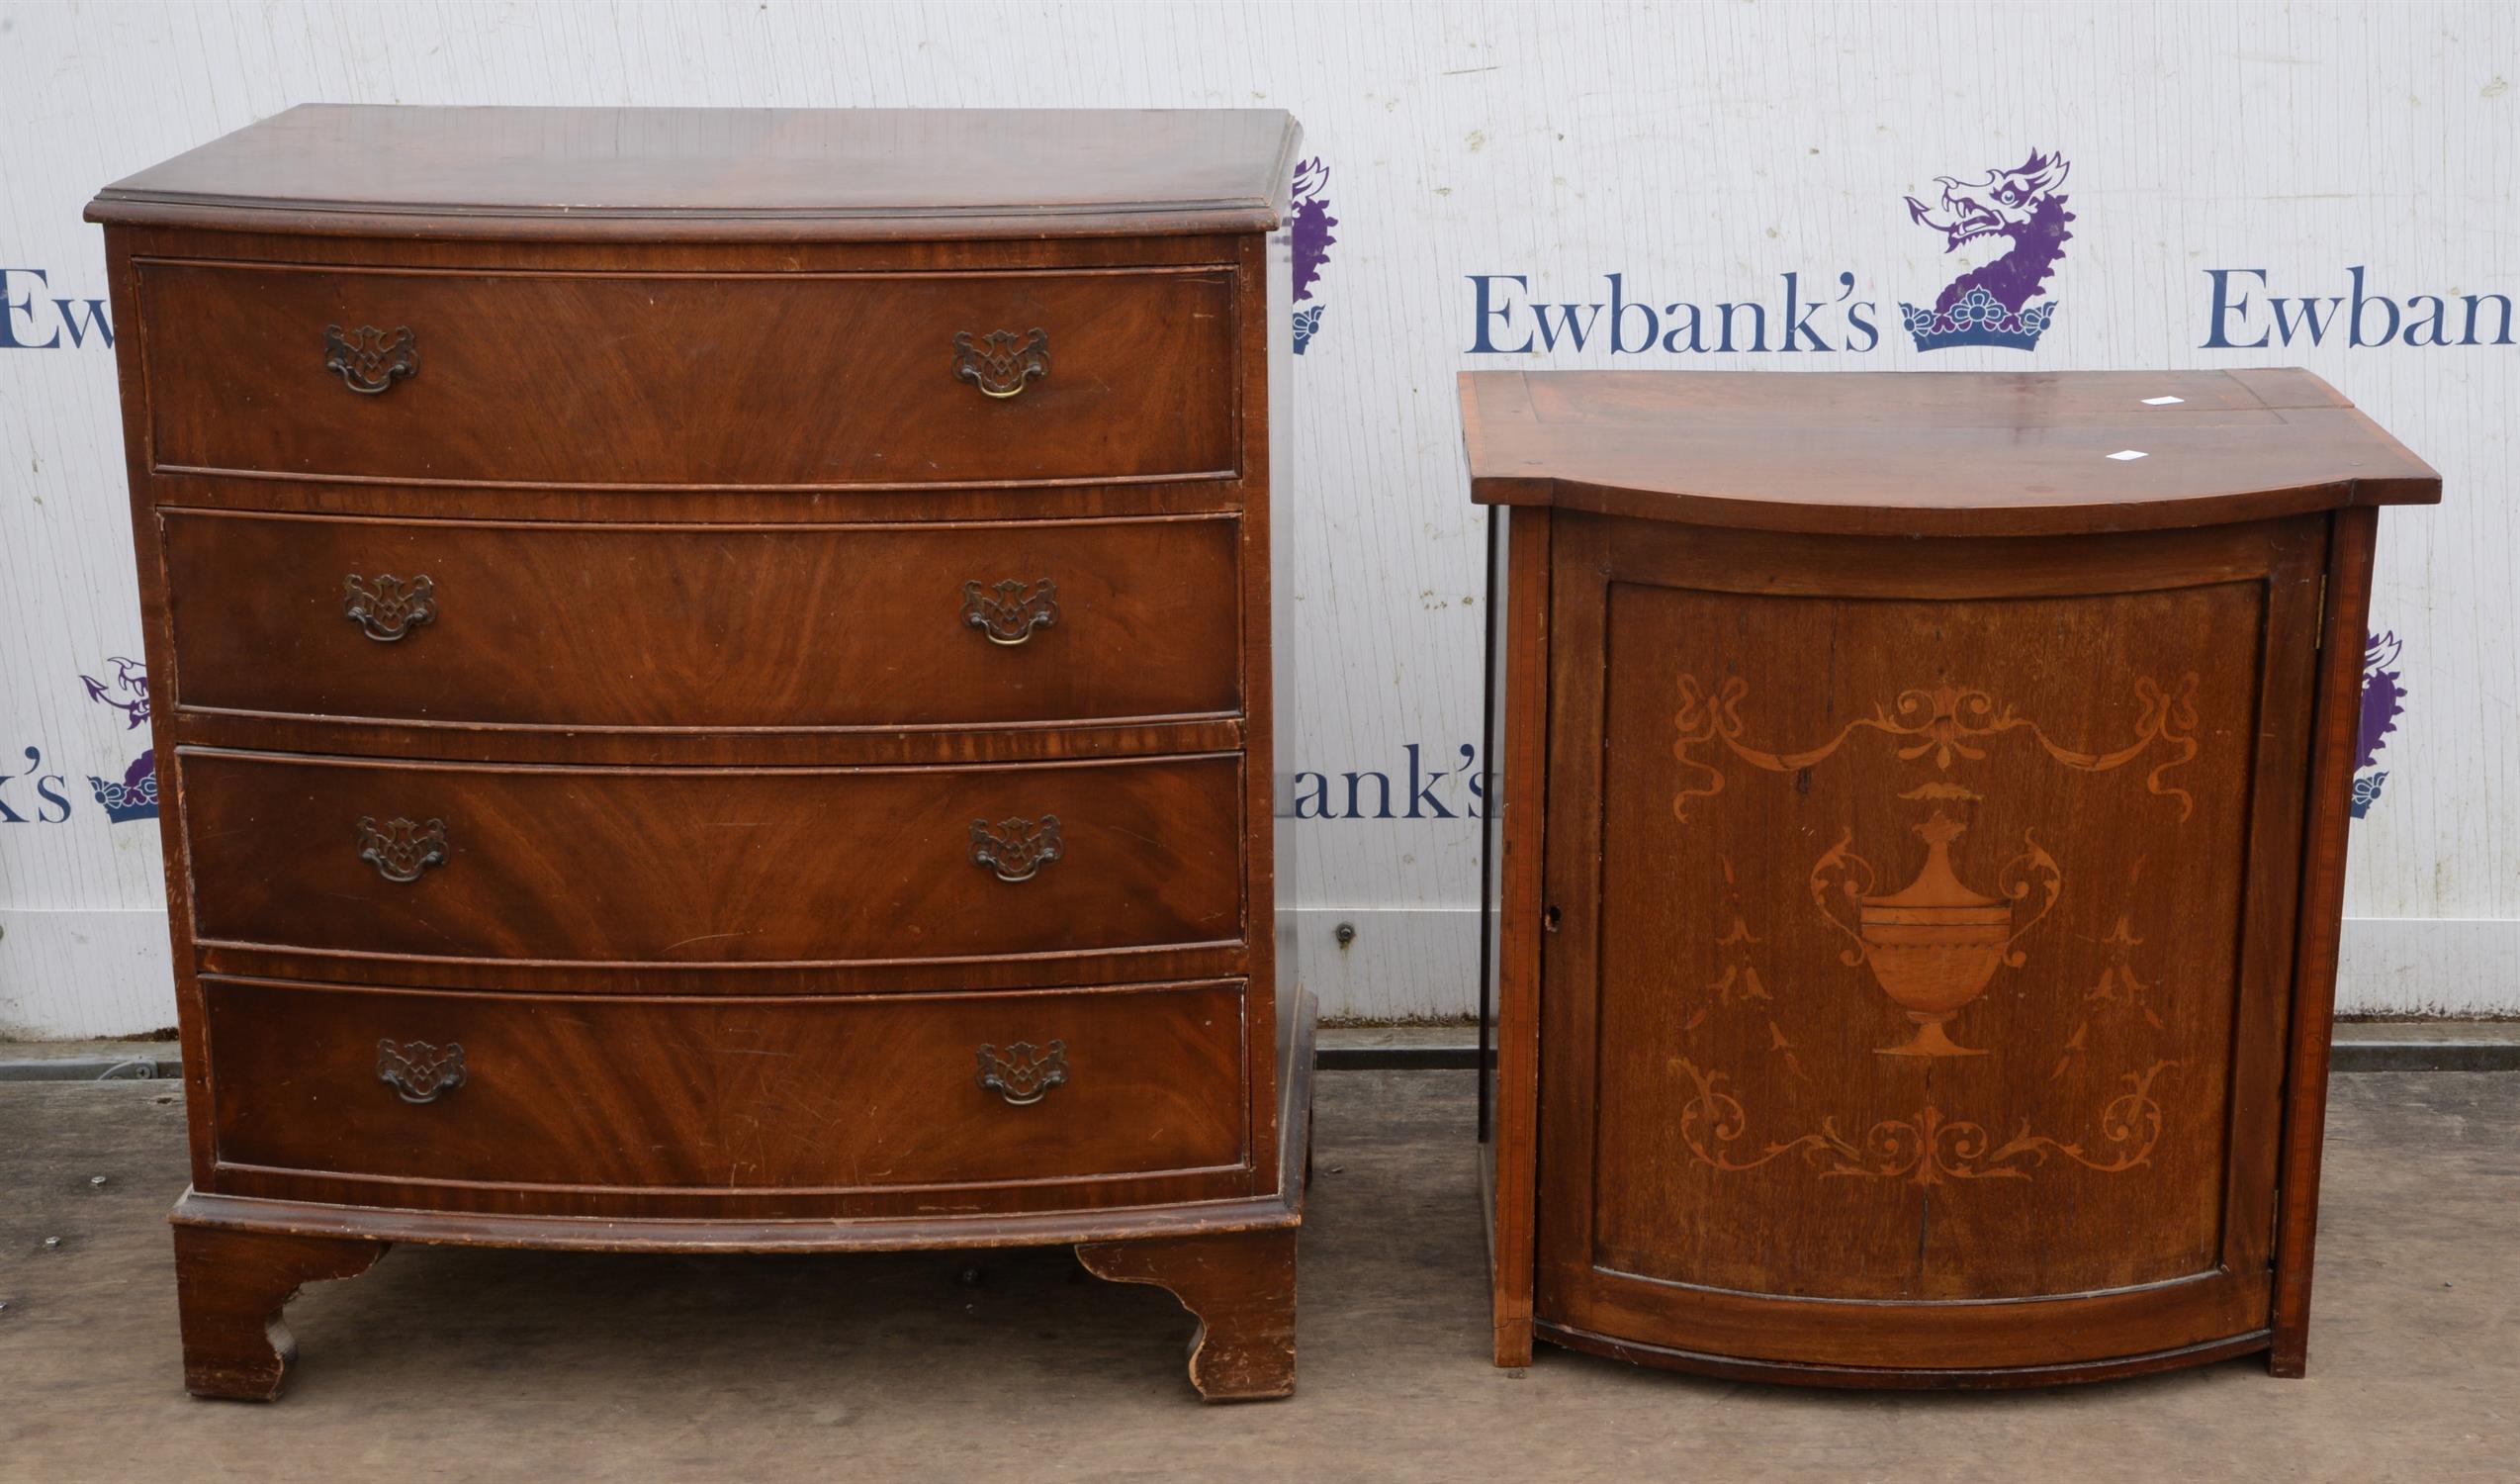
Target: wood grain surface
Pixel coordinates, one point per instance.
(711, 380)
(666, 866)
(693, 630)
(727, 1096)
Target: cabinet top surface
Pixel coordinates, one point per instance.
(692, 172)
(1932, 453)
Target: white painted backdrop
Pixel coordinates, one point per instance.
(1702, 151)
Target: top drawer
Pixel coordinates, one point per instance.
(689, 380)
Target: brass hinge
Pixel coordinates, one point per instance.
(2319, 625)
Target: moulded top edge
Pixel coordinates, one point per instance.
(1932, 453)
(696, 173)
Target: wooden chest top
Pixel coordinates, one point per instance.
(729, 174)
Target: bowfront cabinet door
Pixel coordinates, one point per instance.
(1919, 936)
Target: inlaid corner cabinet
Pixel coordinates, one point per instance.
(715, 678)
(1912, 911)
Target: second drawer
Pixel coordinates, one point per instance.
(635, 627)
(712, 866)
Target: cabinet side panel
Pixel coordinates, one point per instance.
(1492, 671)
(1512, 916)
(2331, 789)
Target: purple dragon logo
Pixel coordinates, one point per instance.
(2384, 699)
(1310, 230)
(136, 796)
(1991, 306)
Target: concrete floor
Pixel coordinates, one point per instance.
(452, 1364)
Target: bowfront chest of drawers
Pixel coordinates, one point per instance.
(715, 678)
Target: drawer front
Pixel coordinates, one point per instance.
(474, 623)
(712, 866)
(769, 379)
(722, 1094)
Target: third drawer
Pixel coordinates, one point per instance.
(699, 867)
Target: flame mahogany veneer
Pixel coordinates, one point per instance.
(1913, 906)
(715, 681)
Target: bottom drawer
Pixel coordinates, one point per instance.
(722, 1094)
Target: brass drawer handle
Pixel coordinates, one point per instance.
(997, 363)
(370, 359)
(1022, 1074)
(419, 1072)
(1015, 848)
(386, 607)
(1010, 610)
(401, 850)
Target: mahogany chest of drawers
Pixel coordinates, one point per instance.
(1914, 905)
(716, 678)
